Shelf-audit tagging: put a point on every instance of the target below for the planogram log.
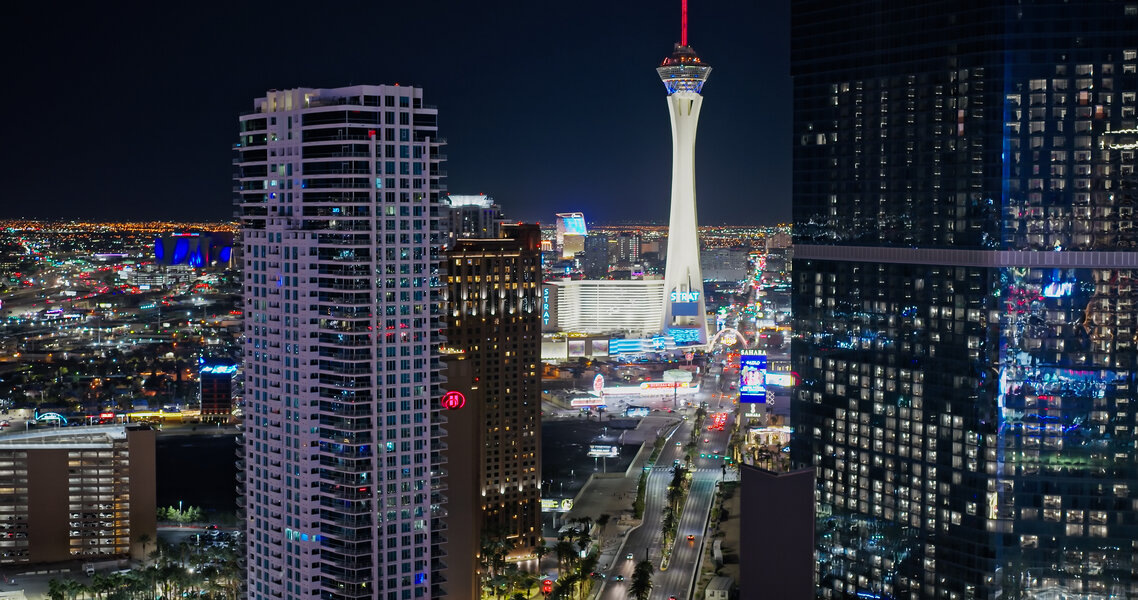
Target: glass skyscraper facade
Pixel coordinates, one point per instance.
(965, 296)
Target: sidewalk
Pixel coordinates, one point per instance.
(613, 494)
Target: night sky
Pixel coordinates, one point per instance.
(124, 111)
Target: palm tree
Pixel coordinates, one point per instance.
(566, 556)
(144, 539)
(525, 581)
(56, 589)
(73, 589)
(118, 585)
(492, 553)
(669, 520)
(587, 567)
(641, 585)
(583, 541)
(100, 585)
(540, 550)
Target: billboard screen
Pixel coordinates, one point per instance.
(752, 378)
(571, 224)
(780, 379)
(603, 451)
(576, 348)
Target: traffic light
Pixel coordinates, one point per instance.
(547, 586)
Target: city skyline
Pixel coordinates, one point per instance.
(168, 76)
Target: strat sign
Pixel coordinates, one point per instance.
(678, 296)
(545, 306)
(453, 400)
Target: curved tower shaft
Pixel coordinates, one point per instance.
(685, 313)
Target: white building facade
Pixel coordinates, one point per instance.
(338, 193)
(606, 306)
(684, 315)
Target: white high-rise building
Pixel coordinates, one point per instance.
(474, 215)
(683, 75)
(338, 193)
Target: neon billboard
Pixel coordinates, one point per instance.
(752, 378)
(453, 400)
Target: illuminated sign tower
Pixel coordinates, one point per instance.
(683, 75)
(571, 232)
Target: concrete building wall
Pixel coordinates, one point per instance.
(143, 490)
(47, 491)
(777, 519)
(76, 493)
(464, 457)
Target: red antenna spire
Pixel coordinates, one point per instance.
(684, 24)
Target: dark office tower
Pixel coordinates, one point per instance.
(627, 249)
(493, 319)
(215, 378)
(965, 296)
(596, 256)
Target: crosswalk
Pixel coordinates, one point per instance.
(696, 470)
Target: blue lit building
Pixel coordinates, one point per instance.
(215, 377)
(965, 297)
(198, 250)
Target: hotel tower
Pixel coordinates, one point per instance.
(966, 295)
(338, 193)
(684, 74)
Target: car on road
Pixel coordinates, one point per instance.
(628, 556)
(691, 538)
(618, 577)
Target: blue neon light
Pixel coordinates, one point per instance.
(219, 369)
(1057, 289)
(684, 335)
(181, 250)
